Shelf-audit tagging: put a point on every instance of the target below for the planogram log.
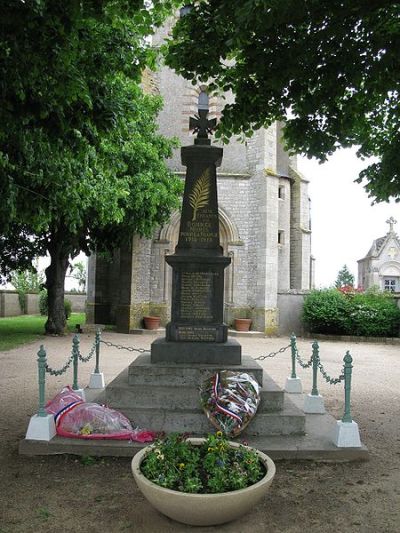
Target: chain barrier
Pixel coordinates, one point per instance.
(53, 372)
(301, 362)
(120, 347)
(327, 377)
(64, 368)
(272, 354)
(91, 353)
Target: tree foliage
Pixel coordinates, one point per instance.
(78, 272)
(329, 68)
(25, 281)
(344, 278)
(82, 165)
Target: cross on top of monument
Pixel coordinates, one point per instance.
(200, 124)
(391, 221)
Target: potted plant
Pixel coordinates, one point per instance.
(202, 481)
(151, 322)
(242, 324)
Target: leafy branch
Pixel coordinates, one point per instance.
(200, 194)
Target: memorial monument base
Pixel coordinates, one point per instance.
(205, 353)
(165, 397)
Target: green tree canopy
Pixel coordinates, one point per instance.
(82, 165)
(328, 68)
(344, 278)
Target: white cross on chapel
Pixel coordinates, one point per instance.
(391, 221)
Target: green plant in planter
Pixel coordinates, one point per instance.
(212, 467)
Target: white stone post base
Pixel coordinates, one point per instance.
(81, 393)
(41, 428)
(96, 381)
(293, 386)
(314, 404)
(347, 435)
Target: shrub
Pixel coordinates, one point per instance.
(326, 311)
(25, 281)
(67, 308)
(43, 305)
(373, 313)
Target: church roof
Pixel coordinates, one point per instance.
(379, 244)
(376, 246)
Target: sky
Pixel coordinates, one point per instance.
(344, 223)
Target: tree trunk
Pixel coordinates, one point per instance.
(55, 279)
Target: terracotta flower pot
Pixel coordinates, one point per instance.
(151, 322)
(242, 324)
(203, 509)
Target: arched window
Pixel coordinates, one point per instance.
(203, 101)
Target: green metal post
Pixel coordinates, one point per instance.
(293, 349)
(42, 380)
(315, 363)
(75, 353)
(347, 386)
(97, 340)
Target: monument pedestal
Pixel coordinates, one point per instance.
(165, 396)
(204, 353)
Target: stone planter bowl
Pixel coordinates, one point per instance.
(203, 509)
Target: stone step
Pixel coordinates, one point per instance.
(289, 421)
(120, 392)
(143, 372)
(172, 409)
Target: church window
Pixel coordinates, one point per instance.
(281, 235)
(281, 192)
(391, 284)
(203, 100)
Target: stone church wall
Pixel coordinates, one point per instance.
(264, 222)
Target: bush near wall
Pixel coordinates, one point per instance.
(347, 311)
(43, 305)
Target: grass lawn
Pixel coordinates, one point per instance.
(18, 330)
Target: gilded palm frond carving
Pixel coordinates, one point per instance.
(201, 192)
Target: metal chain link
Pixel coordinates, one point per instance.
(301, 362)
(328, 379)
(53, 372)
(272, 354)
(120, 347)
(91, 353)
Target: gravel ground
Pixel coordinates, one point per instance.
(67, 494)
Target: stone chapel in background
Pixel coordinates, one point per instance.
(381, 266)
(264, 214)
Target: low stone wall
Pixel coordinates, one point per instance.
(290, 305)
(9, 303)
(352, 338)
(78, 301)
(31, 304)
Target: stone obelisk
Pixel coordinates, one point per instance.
(197, 333)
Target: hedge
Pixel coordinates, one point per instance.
(331, 311)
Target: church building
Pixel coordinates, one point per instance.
(381, 266)
(264, 217)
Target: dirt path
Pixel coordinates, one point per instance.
(68, 494)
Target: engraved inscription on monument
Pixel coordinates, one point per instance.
(196, 292)
(200, 231)
(196, 333)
